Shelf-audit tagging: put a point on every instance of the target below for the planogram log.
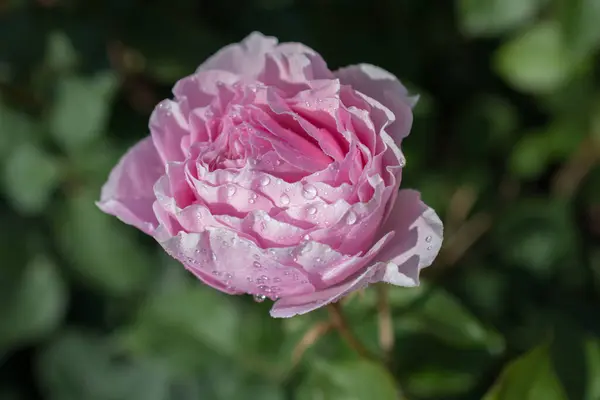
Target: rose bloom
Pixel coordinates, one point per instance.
(270, 175)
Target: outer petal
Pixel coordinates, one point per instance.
(246, 58)
(418, 239)
(290, 306)
(128, 194)
(386, 89)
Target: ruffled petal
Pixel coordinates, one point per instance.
(128, 193)
(384, 87)
(417, 241)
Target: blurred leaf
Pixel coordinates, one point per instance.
(100, 248)
(579, 22)
(15, 129)
(536, 61)
(529, 377)
(434, 382)
(60, 54)
(530, 156)
(79, 366)
(81, 109)
(30, 177)
(568, 357)
(538, 235)
(592, 347)
(35, 305)
(493, 17)
(175, 322)
(353, 380)
(442, 316)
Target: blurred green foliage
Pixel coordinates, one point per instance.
(505, 145)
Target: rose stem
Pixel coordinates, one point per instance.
(341, 325)
(386, 329)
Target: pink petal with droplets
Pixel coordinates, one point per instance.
(128, 193)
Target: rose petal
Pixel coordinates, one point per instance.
(384, 87)
(418, 239)
(128, 193)
(287, 307)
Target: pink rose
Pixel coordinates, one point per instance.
(271, 175)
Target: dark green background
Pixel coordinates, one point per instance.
(505, 146)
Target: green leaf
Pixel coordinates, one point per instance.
(435, 382)
(494, 17)
(538, 235)
(592, 347)
(101, 249)
(442, 316)
(579, 22)
(35, 305)
(82, 366)
(530, 156)
(537, 61)
(17, 128)
(352, 380)
(60, 53)
(81, 109)
(180, 323)
(30, 177)
(530, 377)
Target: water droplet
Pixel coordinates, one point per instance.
(351, 218)
(428, 239)
(259, 298)
(276, 280)
(231, 190)
(429, 248)
(216, 273)
(319, 259)
(403, 162)
(253, 195)
(278, 162)
(255, 256)
(264, 278)
(249, 279)
(309, 192)
(197, 251)
(251, 201)
(307, 237)
(312, 210)
(265, 180)
(287, 273)
(257, 264)
(228, 276)
(285, 200)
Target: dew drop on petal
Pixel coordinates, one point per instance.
(276, 280)
(231, 190)
(259, 298)
(312, 210)
(251, 201)
(285, 200)
(257, 264)
(428, 239)
(351, 218)
(265, 180)
(309, 192)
